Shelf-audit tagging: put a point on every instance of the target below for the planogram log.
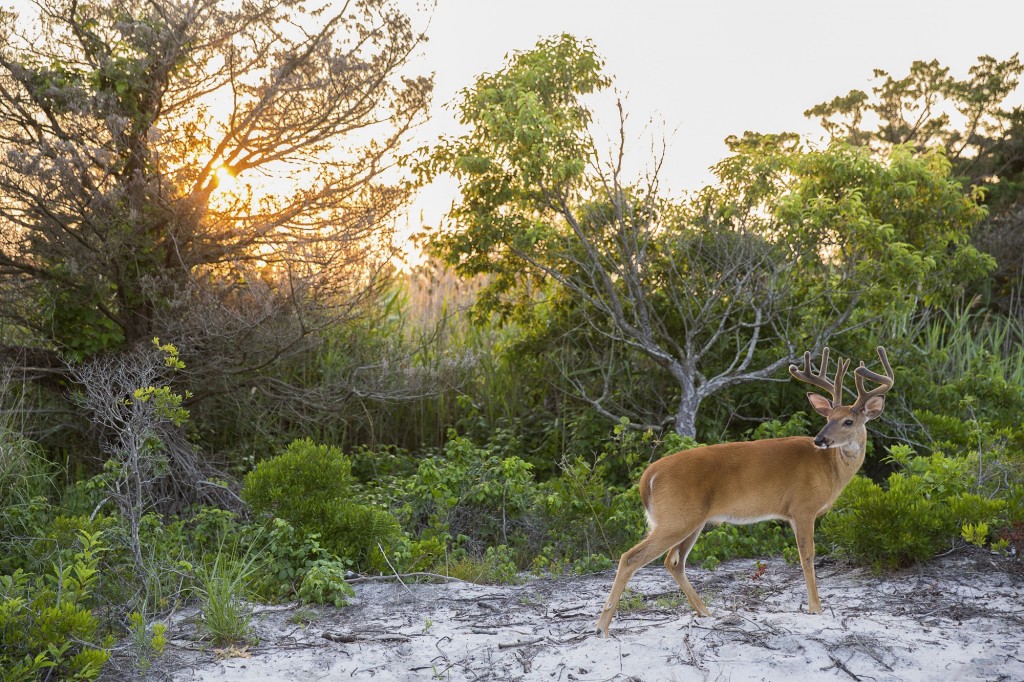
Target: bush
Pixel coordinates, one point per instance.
(584, 514)
(727, 541)
(26, 484)
(919, 514)
(473, 493)
(496, 566)
(46, 626)
(311, 486)
(324, 583)
(297, 484)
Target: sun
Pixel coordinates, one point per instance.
(226, 178)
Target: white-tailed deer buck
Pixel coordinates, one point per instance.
(796, 479)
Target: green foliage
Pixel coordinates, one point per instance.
(311, 486)
(473, 492)
(796, 425)
(915, 109)
(147, 640)
(285, 556)
(222, 584)
(27, 482)
(585, 514)
(920, 512)
(297, 484)
(727, 541)
(528, 134)
(46, 625)
(166, 403)
(324, 583)
(496, 566)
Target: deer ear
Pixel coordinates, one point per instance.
(873, 407)
(820, 404)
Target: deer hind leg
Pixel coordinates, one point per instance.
(646, 551)
(675, 562)
(803, 527)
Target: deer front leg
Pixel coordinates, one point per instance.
(803, 527)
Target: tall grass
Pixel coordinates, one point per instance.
(223, 589)
(965, 340)
(462, 366)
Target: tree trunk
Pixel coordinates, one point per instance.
(689, 403)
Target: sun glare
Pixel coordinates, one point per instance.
(226, 179)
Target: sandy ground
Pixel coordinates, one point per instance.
(960, 618)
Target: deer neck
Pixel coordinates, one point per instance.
(847, 459)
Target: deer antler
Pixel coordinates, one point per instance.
(821, 378)
(886, 381)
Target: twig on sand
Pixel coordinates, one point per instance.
(521, 642)
(400, 576)
(836, 663)
(350, 638)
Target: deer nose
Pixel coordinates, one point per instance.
(819, 440)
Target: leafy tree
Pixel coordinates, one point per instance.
(120, 122)
(930, 108)
(969, 120)
(790, 247)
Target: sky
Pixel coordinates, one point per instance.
(696, 72)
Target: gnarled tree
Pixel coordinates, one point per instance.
(789, 248)
(121, 124)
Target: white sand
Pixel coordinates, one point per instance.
(957, 618)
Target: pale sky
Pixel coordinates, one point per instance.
(704, 70)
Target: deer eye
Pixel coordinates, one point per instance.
(848, 422)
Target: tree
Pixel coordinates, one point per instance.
(790, 248)
(121, 121)
(969, 120)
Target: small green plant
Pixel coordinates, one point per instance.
(496, 566)
(147, 641)
(976, 534)
(303, 616)
(324, 583)
(670, 601)
(631, 601)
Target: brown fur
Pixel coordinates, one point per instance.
(780, 478)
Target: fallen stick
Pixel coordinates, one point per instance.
(347, 638)
(399, 576)
(839, 664)
(521, 642)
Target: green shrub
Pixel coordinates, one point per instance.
(148, 640)
(297, 484)
(324, 583)
(27, 482)
(584, 514)
(496, 566)
(47, 628)
(423, 554)
(471, 492)
(919, 514)
(311, 486)
(727, 541)
(286, 555)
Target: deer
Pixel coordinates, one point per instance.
(795, 479)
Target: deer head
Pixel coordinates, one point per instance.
(846, 424)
